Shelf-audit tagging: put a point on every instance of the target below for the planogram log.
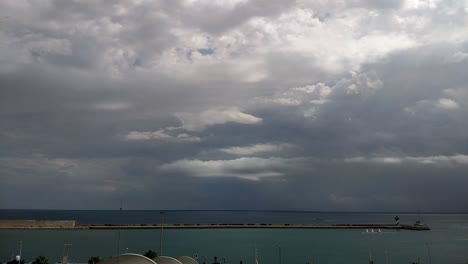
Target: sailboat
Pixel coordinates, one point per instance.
(420, 222)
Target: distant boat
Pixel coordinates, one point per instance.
(420, 221)
(420, 224)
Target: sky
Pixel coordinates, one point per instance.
(315, 105)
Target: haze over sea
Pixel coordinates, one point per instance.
(446, 242)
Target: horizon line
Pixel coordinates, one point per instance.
(242, 210)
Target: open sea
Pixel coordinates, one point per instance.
(446, 242)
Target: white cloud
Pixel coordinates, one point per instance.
(430, 105)
(310, 98)
(251, 168)
(162, 135)
(318, 91)
(333, 43)
(136, 135)
(215, 3)
(458, 159)
(382, 160)
(445, 103)
(308, 94)
(279, 100)
(256, 149)
(421, 4)
(199, 121)
(341, 43)
(112, 106)
(456, 57)
(359, 83)
(334, 35)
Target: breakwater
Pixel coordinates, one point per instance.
(71, 224)
(66, 224)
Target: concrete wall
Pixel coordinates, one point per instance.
(37, 224)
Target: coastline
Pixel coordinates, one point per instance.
(72, 224)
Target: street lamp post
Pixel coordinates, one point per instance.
(66, 252)
(161, 234)
(20, 249)
(428, 245)
(119, 230)
(279, 254)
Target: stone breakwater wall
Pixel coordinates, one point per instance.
(71, 224)
(37, 224)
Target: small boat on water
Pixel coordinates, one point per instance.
(420, 224)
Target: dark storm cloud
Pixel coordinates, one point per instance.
(234, 105)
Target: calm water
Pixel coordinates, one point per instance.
(447, 242)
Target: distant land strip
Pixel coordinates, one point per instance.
(72, 224)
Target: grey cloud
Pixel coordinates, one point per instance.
(257, 149)
(224, 17)
(378, 4)
(84, 35)
(324, 185)
(102, 100)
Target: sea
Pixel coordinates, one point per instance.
(446, 242)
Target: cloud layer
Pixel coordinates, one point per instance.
(335, 105)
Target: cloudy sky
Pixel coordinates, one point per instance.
(327, 105)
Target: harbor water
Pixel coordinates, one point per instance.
(446, 242)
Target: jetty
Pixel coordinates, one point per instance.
(72, 224)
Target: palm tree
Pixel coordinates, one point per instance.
(94, 260)
(41, 260)
(151, 254)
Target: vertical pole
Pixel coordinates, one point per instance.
(66, 252)
(428, 253)
(161, 234)
(20, 249)
(279, 254)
